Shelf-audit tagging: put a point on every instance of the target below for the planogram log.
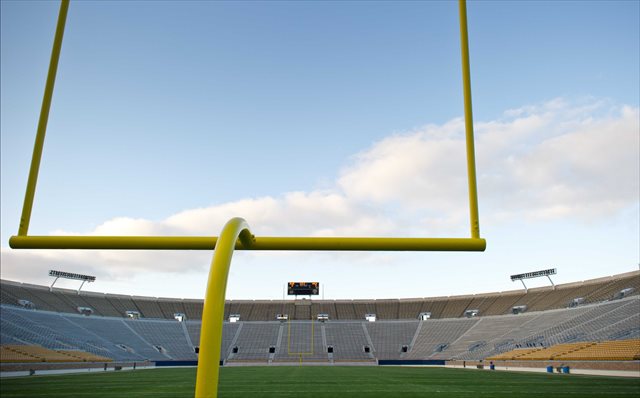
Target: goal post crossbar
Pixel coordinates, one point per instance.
(258, 243)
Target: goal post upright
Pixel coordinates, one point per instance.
(468, 122)
(32, 181)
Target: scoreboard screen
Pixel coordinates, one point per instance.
(303, 288)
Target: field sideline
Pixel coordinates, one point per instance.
(329, 381)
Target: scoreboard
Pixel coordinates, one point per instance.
(303, 288)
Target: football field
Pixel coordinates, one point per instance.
(325, 381)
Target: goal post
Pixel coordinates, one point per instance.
(236, 234)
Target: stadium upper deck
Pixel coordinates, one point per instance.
(497, 303)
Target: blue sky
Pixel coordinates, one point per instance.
(325, 118)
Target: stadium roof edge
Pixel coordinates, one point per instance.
(635, 273)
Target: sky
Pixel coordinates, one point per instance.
(325, 119)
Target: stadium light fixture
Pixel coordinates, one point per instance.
(70, 275)
(534, 274)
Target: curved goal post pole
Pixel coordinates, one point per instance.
(213, 313)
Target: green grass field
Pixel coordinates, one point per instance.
(323, 381)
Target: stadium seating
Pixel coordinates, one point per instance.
(82, 356)
(475, 338)
(8, 354)
(345, 310)
(498, 303)
(170, 306)
(33, 353)
(348, 341)
(122, 304)
(170, 337)
(605, 330)
(625, 350)
(409, 308)
(126, 342)
(513, 354)
(193, 309)
(554, 351)
(324, 307)
(301, 341)
(149, 307)
(255, 339)
(435, 336)
(388, 338)
(387, 309)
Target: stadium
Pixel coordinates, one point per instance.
(328, 125)
(590, 327)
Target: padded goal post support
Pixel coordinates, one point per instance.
(236, 234)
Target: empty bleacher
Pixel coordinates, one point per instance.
(497, 303)
(82, 356)
(324, 307)
(487, 334)
(531, 334)
(193, 308)
(434, 306)
(435, 336)
(302, 341)
(346, 311)
(56, 325)
(455, 307)
(245, 309)
(120, 335)
(99, 303)
(149, 307)
(363, 307)
(409, 308)
(387, 309)
(388, 338)
(624, 350)
(9, 354)
(503, 303)
(621, 350)
(34, 353)
(122, 304)
(554, 352)
(170, 306)
(170, 336)
(348, 340)
(255, 339)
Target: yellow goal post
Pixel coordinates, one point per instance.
(236, 234)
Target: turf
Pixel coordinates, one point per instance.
(327, 382)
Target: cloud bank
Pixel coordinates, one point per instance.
(562, 159)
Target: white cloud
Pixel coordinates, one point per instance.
(557, 160)
(583, 167)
